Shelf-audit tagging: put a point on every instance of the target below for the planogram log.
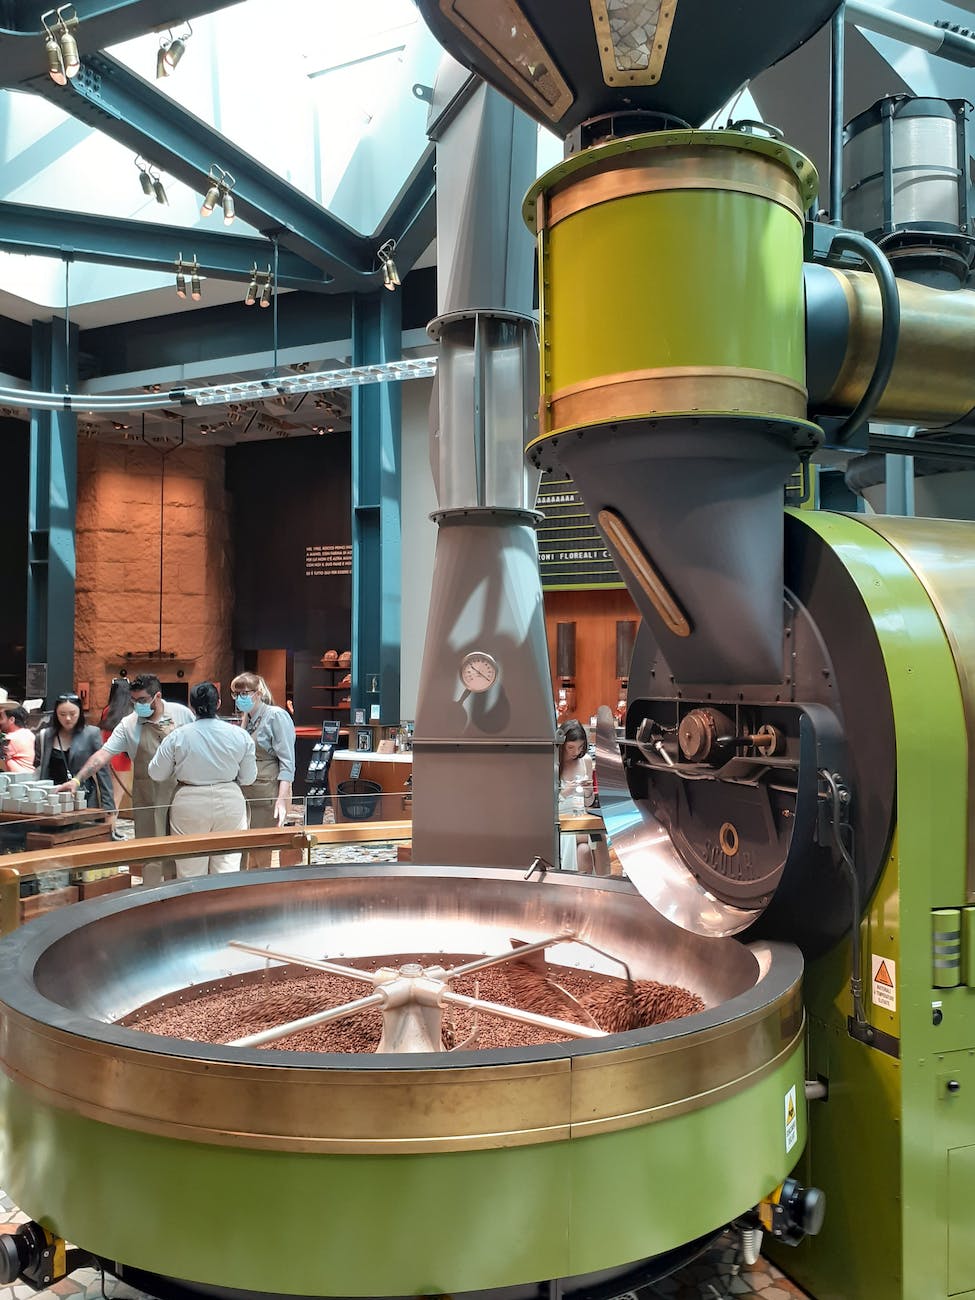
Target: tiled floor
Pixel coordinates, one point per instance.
(715, 1276)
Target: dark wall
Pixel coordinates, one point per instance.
(15, 343)
(15, 435)
(291, 517)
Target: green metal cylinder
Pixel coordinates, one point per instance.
(671, 279)
(434, 1223)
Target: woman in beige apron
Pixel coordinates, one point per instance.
(151, 799)
(273, 733)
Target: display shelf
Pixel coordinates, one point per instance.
(320, 689)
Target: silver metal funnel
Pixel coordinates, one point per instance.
(483, 750)
(570, 62)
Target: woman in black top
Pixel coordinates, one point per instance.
(65, 744)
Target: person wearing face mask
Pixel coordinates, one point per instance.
(273, 732)
(139, 735)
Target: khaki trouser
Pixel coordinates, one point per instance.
(199, 809)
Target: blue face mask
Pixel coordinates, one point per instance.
(244, 703)
(143, 708)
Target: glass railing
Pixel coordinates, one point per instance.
(48, 857)
(47, 860)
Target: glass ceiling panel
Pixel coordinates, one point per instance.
(300, 85)
(318, 91)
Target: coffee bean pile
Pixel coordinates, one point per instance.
(619, 1009)
(234, 1009)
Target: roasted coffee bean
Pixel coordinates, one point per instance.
(232, 1011)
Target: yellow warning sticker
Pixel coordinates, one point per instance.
(884, 982)
(791, 1124)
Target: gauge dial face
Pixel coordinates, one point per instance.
(479, 671)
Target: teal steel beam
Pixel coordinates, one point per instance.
(53, 490)
(111, 99)
(376, 498)
(111, 241)
(412, 221)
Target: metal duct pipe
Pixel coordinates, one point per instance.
(910, 31)
(483, 746)
(932, 384)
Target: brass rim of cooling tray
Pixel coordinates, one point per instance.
(325, 1108)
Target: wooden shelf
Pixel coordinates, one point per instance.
(96, 815)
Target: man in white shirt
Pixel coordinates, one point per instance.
(209, 760)
(139, 735)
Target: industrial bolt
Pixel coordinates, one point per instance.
(953, 1085)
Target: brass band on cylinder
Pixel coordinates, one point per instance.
(682, 389)
(697, 168)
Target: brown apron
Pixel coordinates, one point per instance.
(260, 796)
(262, 793)
(151, 799)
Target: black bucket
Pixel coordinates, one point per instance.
(358, 799)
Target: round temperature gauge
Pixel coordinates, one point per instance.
(479, 671)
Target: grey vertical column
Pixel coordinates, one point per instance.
(51, 514)
(376, 526)
(483, 754)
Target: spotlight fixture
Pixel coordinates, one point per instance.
(150, 181)
(259, 289)
(196, 289)
(171, 51)
(60, 46)
(390, 274)
(180, 278)
(221, 183)
(145, 180)
(158, 189)
(55, 64)
(211, 199)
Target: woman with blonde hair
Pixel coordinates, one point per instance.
(273, 733)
